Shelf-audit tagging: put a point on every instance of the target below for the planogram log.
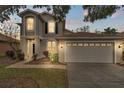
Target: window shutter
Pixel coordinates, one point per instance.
(46, 27)
(56, 30)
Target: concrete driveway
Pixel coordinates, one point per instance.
(88, 75)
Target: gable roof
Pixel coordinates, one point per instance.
(34, 12)
(28, 11)
(7, 39)
(47, 13)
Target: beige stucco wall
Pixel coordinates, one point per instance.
(61, 50)
(118, 51)
(23, 45)
(42, 47)
(48, 18)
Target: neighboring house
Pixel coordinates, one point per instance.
(40, 32)
(5, 44)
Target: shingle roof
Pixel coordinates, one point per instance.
(89, 35)
(67, 31)
(81, 34)
(7, 39)
(28, 10)
(35, 12)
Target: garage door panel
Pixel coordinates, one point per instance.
(97, 54)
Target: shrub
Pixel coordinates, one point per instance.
(53, 57)
(10, 54)
(35, 57)
(20, 55)
(46, 54)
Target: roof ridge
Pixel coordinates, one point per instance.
(28, 10)
(39, 13)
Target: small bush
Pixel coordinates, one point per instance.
(53, 57)
(46, 54)
(20, 55)
(10, 54)
(35, 57)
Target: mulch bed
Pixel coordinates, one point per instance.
(7, 61)
(40, 61)
(18, 83)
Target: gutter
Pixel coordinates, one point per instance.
(90, 38)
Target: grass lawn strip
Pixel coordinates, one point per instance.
(45, 78)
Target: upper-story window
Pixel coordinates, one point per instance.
(30, 23)
(51, 27)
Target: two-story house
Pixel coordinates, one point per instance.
(41, 32)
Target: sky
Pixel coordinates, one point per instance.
(74, 19)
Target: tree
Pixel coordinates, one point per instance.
(97, 12)
(83, 29)
(6, 11)
(59, 11)
(94, 12)
(10, 28)
(110, 31)
(86, 29)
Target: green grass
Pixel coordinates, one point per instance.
(44, 77)
(2, 55)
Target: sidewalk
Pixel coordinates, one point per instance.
(23, 65)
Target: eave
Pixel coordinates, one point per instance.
(90, 38)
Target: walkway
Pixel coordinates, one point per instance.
(23, 65)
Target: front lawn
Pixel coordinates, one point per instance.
(2, 55)
(43, 77)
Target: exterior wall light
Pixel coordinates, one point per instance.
(120, 46)
(61, 45)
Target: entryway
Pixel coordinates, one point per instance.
(30, 48)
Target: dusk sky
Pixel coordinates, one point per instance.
(75, 19)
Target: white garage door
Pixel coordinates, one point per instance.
(92, 52)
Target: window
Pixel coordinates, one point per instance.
(80, 44)
(91, 44)
(30, 23)
(103, 44)
(74, 44)
(51, 45)
(109, 44)
(97, 44)
(85, 44)
(51, 27)
(68, 44)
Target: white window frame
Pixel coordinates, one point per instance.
(51, 46)
(28, 28)
(49, 27)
